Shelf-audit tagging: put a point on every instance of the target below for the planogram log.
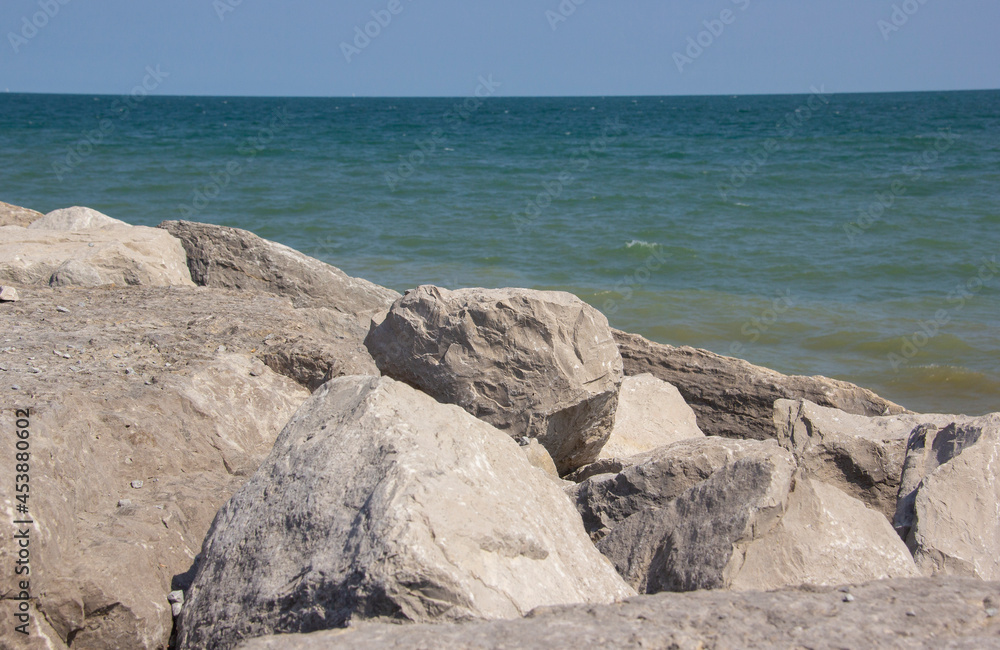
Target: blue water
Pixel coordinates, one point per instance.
(719, 222)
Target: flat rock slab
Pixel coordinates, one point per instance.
(13, 215)
(901, 614)
(378, 500)
(735, 398)
(179, 390)
(230, 258)
(651, 413)
(536, 364)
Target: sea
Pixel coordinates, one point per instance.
(849, 235)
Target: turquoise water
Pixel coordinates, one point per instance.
(854, 236)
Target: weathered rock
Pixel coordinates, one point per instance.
(655, 478)
(902, 614)
(13, 215)
(379, 501)
(949, 497)
(861, 455)
(9, 294)
(231, 258)
(734, 398)
(691, 542)
(535, 453)
(538, 364)
(824, 538)
(651, 413)
(76, 218)
(120, 255)
(157, 385)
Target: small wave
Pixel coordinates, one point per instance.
(641, 244)
(745, 205)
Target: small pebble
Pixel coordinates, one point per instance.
(910, 612)
(124, 503)
(175, 596)
(91, 244)
(129, 371)
(849, 598)
(62, 309)
(992, 611)
(136, 484)
(15, 387)
(175, 609)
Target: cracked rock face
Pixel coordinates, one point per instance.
(536, 364)
(379, 501)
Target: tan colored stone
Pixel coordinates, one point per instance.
(651, 413)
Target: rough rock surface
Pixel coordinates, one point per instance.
(824, 538)
(9, 294)
(538, 457)
(13, 215)
(902, 614)
(651, 413)
(691, 543)
(120, 255)
(231, 258)
(538, 364)
(76, 218)
(379, 501)
(164, 385)
(861, 455)
(655, 478)
(734, 398)
(949, 497)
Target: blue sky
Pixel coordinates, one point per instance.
(529, 47)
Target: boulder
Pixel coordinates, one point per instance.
(76, 218)
(231, 258)
(949, 497)
(734, 398)
(13, 215)
(654, 479)
(692, 542)
(378, 501)
(119, 255)
(149, 407)
(861, 455)
(651, 413)
(536, 364)
(902, 614)
(824, 538)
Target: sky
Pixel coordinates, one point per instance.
(520, 47)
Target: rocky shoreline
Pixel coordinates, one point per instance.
(236, 445)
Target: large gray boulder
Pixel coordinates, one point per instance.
(651, 413)
(901, 614)
(734, 398)
(536, 364)
(183, 389)
(65, 255)
(653, 479)
(949, 497)
(861, 455)
(379, 501)
(230, 258)
(14, 215)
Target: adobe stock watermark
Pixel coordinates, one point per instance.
(787, 128)
(222, 178)
(48, 9)
(552, 189)
(562, 13)
(223, 7)
(121, 110)
(425, 148)
(363, 36)
(760, 324)
(911, 345)
(884, 201)
(900, 15)
(640, 276)
(714, 28)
